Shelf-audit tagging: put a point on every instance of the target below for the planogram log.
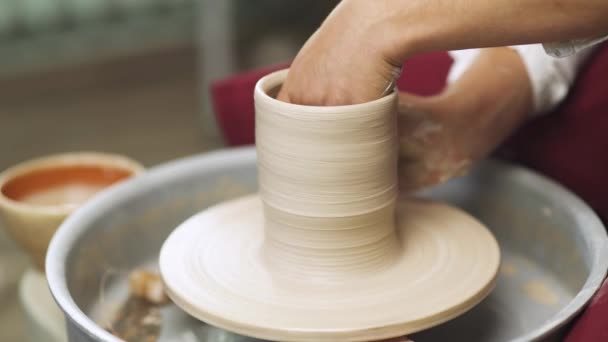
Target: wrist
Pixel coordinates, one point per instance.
(381, 29)
(414, 29)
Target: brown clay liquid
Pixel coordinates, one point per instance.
(62, 185)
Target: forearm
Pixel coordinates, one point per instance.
(413, 26)
(440, 136)
(494, 96)
(478, 111)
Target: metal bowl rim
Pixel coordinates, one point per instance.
(76, 224)
(592, 230)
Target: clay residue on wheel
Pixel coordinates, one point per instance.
(540, 292)
(139, 319)
(507, 268)
(147, 286)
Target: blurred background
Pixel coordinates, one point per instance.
(126, 76)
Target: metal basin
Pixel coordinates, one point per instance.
(554, 248)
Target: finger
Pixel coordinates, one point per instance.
(409, 99)
(410, 104)
(414, 176)
(283, 95)
(412, 150)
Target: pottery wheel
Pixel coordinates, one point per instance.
(214, 270)
(326, 251)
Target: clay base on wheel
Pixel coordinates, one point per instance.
(214, 268)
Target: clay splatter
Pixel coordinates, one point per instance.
(538, 291)
(508, 269)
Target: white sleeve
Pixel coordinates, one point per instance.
(551, 78)
(569, 48)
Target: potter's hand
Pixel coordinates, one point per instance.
(358, 49)
(344, 62)
(441, 136)
(433, 146)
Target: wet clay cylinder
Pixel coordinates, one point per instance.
(328, 183)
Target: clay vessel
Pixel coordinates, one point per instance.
(37, 195)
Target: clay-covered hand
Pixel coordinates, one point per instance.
(440, 136)
(434, 144)
(344, 61)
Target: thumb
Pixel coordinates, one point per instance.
(283, 94)
(407, 101)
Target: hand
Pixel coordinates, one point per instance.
(345, 61)
(441, 136)
(434, 143)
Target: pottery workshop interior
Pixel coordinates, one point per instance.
(303, 171)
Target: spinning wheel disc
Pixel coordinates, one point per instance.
(214, 268)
